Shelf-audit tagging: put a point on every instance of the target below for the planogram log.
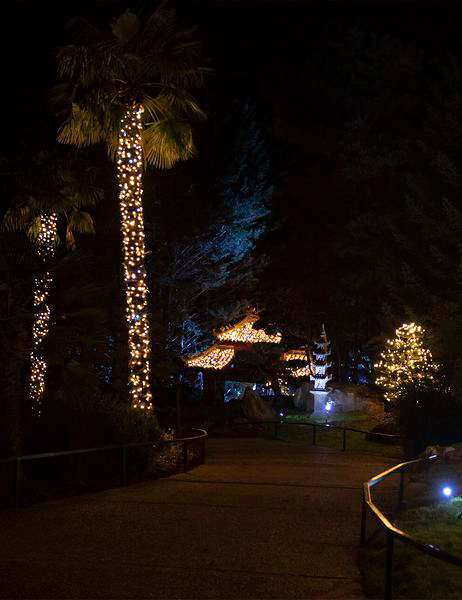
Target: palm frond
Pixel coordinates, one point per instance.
(181, 102)
(82, 128)
(33, 230)
(70, 239)
(157, 108)
(80, 221)
(17, 217)
(167, 142)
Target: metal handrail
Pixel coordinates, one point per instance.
(392, 531)
(101, 448)
(184, 440)
(325, 425)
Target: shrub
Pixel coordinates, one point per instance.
(427, 415)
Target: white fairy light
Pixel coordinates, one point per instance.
(46, 241)
(129, 171)
(404, 361)
(303, 371)
(244, 332)
(215, 357)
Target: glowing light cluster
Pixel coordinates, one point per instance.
(45, 242)
(42, 285)
(46, 239)
(215, 357)
(244, 332)
(405, 361)
(297, 355)
(129, 171)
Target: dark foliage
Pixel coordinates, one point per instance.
(427, 415)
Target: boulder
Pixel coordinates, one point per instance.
(255, 408)
(346, 401)
(302, 398)
(353, 398)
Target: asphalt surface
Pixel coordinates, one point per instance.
(261, 519)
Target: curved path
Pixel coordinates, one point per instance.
(261, 519)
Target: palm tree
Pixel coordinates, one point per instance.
(131, 89)
(60, 189)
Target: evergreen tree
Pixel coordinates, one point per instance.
(405, 361)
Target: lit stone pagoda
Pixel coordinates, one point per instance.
(320, 362)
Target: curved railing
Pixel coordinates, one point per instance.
(315, 426)
(185, 443)
(392, 532)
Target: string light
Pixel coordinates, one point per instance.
(404, 361)
(129, 171)
(244, 332)
(215, 357)
(45, 242)
(297, 355)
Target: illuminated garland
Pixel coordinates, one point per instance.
(215, 357)
(244, 332)
(297, 355)
(46, 241)
(129, 172)
(405, 361)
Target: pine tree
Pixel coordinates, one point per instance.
(405, 361)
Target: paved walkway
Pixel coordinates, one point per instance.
(261, 519)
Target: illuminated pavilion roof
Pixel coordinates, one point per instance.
(244, 332)
(297, 355)
(215, 357)
(219, 355)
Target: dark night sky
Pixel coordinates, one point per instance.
(254, 34)
(267, 42)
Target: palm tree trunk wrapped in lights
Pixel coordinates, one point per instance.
(46, 241)
(158, 65)
(58, 186)
(129, 171)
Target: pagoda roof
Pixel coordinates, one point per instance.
(231, 339)
(215, 357)
(298, 354)
(244, 332)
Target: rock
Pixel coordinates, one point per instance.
(446, 452)
(352, 398)
(347, 401)
(255, 408)
(302, 398)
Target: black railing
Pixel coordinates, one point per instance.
(393, 532)
(185, 444)
(386, 437)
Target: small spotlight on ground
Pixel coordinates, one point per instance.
(447, 491)
(281, 414)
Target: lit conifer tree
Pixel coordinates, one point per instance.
(130, 89)
(405, 361)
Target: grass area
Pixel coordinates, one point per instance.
(417, 575)
(325, 436)
(294, 428)
(349, 419)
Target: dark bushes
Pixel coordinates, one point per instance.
(427, 415)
